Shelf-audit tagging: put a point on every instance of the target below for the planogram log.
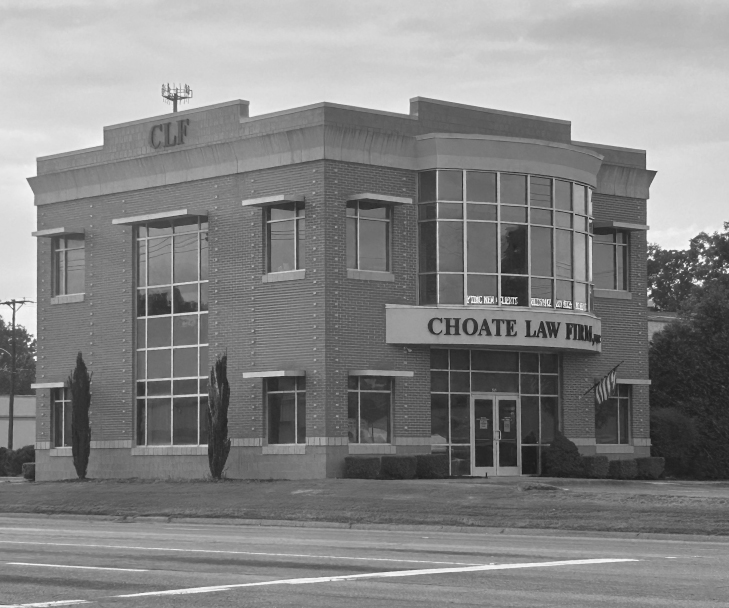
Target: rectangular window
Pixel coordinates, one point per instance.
(610, 259)
(369, 405)
(612, 418)
(61, 414)
(286, 407)
(69, 265)
(285, 237)
(368, 236)
(172, 332)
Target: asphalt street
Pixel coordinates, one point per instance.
(67, 562)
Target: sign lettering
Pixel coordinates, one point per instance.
(546, 330)
(509, 327)
(162, 135)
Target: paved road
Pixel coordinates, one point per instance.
(64, 562)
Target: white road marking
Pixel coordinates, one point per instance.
(397, 573)
(221, 551)
(78, 567)
(46, 604)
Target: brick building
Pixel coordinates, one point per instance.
(449, 280)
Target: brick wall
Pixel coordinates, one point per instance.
(101, 327)
(356, 308)
(624, 333)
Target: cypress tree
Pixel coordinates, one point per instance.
(80, 385)
(218, 399)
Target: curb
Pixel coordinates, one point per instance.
(285, 523)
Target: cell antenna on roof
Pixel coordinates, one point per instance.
(176, 93)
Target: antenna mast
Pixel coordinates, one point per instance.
(176, 93)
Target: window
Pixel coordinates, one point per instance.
(69, 265)
(612, 417)
(286, 400)
(368, 236)
(285, 237)
(610, 259)
(506, 239)
(61, 414)
(172, 332)
(369, 403)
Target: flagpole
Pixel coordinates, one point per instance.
(594, 386)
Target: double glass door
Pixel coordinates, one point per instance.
(495, 435)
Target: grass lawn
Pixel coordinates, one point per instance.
(523, 504)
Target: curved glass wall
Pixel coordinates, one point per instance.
(489, 238)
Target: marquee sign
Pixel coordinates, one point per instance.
(502, 327)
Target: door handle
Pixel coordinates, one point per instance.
(497, 435)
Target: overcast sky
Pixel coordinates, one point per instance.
(639, 73)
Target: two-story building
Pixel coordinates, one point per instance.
(450, 280)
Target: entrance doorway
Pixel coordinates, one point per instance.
(495, 424)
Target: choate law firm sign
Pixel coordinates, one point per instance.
(492, 327)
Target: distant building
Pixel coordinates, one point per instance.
(23, 420)
(451, 280)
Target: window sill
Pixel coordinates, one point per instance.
(170, 450)
(287, 275)
(284, 448)
(605, 448)
(613, 294)
(69, 299)
(61, 451)
(370, 275)
(371, 448)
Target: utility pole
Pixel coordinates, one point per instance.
(15, 305)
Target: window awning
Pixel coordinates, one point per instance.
(53, 232)
(150, 217)
(279, 373)
(48, 385)
(278, 199)
(392, 373)
(620, 225)
(369, 197)
(640, 381)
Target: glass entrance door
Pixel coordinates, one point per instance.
(495, 435)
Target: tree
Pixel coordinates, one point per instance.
(218, 399)
(79, 382)
(689, 370)
(675, 274)
(25, 347)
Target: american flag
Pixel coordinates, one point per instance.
(606, 387)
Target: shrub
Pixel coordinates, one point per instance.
(362, 467)
(596, 467)
(623, 469)
(12, 461)
(4, 462)
(562, 458)
(675, 438)
(398, 467)
(650, 468)
(22, 456)
(431, 466)
(29, 471)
